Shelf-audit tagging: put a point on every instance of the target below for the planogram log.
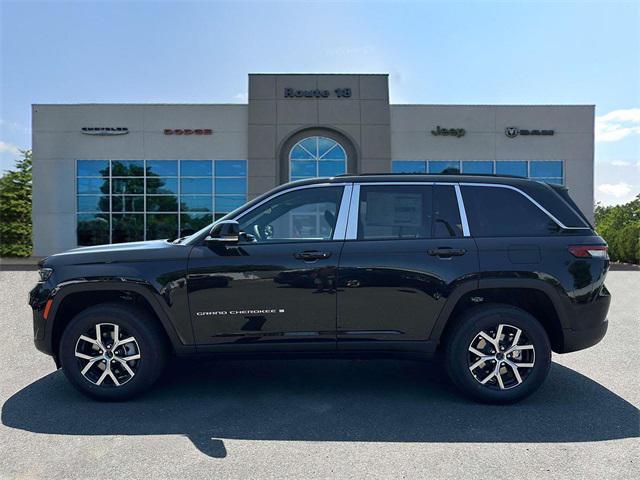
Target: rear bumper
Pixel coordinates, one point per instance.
(588, 323)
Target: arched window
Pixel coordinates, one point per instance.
(317, 157)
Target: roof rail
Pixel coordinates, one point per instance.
(497, 175)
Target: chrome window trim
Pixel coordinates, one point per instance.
(528, 197)
(342, 216)
(463, 212)
(352, 226)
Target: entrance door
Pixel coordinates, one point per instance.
(278, 283)
(399, 263)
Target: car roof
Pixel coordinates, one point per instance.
(420, 177)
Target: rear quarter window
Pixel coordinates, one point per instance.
(502, 212)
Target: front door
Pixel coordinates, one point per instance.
(277, 285)
(400, 261)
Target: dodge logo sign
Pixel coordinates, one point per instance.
(513, 132)
(188, 131)
(105, 131)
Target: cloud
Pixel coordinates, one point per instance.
(620, 163)
(9, 148)
(617, 190)
(618, 124)
(241, 97)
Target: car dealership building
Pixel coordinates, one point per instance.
(109, 173)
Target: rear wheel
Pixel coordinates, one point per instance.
(498, 354)
(112, 352)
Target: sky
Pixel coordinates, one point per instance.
(448, 52)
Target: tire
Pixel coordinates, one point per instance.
(521, 370)
(134, 365)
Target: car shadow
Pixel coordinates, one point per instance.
(325, 400)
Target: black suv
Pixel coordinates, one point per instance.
(492, 272)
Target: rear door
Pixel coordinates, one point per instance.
(407, 248)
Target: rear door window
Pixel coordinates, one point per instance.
(502, 212)
(394, 212)
(446, 215)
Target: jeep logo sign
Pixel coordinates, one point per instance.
(513, 132)
(451, 132)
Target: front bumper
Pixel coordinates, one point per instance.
(38, 297)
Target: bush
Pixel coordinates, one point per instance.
(15, 209)
(619, 225)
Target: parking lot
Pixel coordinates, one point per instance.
(322, 419)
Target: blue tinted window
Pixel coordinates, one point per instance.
(408, 166)
(539, 169)
(127, 168)
(330, 168)
(231, 185)
(195, 185)
(437, 166)
(511, 168)
(302, 168)
(158, 185)
(226, 204)
(477, 167)
(93, 185)
(196, 168)
(93, 168)
(201, 203)
(93, 203)
(317, 156)
(556, 181)
(231, 168)
(162, 168)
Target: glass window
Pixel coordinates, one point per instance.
(228, 203)
(127, 168)
(127, 227)
(93, 203)
(438, 166)
(127, 203)
(195, 203)
(93, 185)
(195, 185)
(305, 214)
(500, 212)
(394, 212)
(162, 168)
(158, 185)
(192, 222)
(127, 186)
(231, 168)
(408, 166)
(517, 168)
(162, 226)
(478, 167)
(317, 156)
(93, 168)
(92, 229)
(446, 214)
(117, 197)
(231, 186)
(162, 203)
(196, 168)
(549, 171)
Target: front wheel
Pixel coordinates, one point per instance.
(112, 351)
(498, 354)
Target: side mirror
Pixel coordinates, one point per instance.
(227, 231)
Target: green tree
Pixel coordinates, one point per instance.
(619, 225)
(15, 209)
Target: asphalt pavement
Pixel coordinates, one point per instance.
(322, 418)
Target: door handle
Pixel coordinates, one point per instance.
(444, 252)
(311, 256)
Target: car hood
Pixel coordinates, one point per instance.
(120, 252)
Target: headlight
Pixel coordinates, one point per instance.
(45, 273)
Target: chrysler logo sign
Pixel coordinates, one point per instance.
(105, 131)
(513, 132)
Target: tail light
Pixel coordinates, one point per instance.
(586, 251)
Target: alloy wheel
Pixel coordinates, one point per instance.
(501, 358)
(107, 355)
